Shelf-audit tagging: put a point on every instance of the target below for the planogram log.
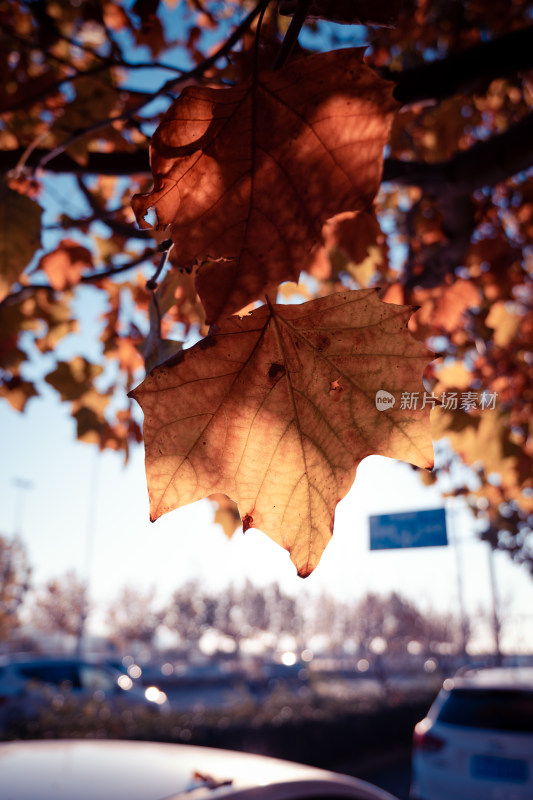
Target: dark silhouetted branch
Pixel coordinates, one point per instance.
(93, 277)
(484, 164)
(101, 214)
(469, 69)
(132, 163)
(291, 37)
(170, 86)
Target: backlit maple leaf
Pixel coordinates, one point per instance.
(245, 177)
(65, 265)
(278, 409)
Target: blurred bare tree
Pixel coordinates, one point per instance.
(190, 613)
(133, 619)
(61, 606)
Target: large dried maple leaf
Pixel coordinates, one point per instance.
(245, 177)
(278, 408)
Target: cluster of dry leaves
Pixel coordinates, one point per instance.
(277, 407)
(267, 171)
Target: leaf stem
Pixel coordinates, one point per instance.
(94, 277)
(257, 37)
(164, 248)
(291, 37)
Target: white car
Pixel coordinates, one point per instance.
(476, 742)
(118, 770)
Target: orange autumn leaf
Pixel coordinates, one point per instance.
(277, 410)
(455, 375)
(444, 309)
(354, 234)
(245, 177)
(17, 392)
(115, 17)
(64, 266)
(73, 379)
(441, 309)
(505, 322)
(353, 243)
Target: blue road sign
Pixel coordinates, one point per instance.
(411, 529)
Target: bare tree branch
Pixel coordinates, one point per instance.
(128, 163)
(484, 164)
(101, 214)
(93, 277)
(462, 72)
(169, 87)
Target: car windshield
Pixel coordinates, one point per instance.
(496, 709)
(52, 673)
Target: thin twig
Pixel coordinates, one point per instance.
(101, 214)
(256, 41)
(27, 153)
(27, 291)
(145, 256)
(168, 87)
(164, 248)
(155, 326)
(291, 37)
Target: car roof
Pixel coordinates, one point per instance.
(127, 770)
(520, 678)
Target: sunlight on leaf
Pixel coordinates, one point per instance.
(278, 409)
(245, 177)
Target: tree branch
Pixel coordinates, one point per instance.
(484, 164)
(291, 37)
(116, 163)
(101, 214)
(450, 185)
(168, 87)
(462, 72)
(92, 277)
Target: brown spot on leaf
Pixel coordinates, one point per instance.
(247, 522)
(276, 370)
